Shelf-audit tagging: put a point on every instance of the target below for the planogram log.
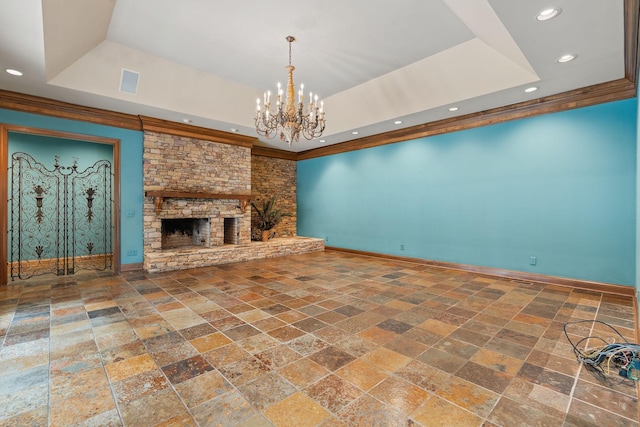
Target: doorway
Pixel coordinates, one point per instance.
(61, 198)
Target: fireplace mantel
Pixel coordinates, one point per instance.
(160, 195)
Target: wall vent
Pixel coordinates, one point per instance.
(129, 81)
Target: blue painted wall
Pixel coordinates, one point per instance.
(131, 183)
(44, 149)
(638, 209)
(559, 187)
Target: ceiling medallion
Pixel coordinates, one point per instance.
(290, 119)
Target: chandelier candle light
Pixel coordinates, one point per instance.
(290, 119)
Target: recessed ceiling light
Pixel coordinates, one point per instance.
(322, 140)
(566, 58)
(234, 130)
(531, 89)
(13, 72)
(397, 122)
(453, 109)
(355, 132)
(547, 14)
(186, 120)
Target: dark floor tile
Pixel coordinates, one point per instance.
(457, 347)
(546, 378)
(396, 326)
(484, 377)
(186, 369)
(241, 332)
(163, 342)
(332, 358)
(348, 310)
(517, 337)
(509, 348)
(103, 312)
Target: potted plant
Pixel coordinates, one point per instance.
(268, 216)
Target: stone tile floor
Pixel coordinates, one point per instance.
(322, 339)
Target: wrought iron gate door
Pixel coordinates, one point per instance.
(61, 219)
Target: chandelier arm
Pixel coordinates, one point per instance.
(290, 120)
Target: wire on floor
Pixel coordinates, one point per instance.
(616, 353)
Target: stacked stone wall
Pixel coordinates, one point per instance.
(276, 177)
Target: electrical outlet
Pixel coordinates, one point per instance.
(131, 214)
(326, 239)
(533, 260)
(402, 246)
(132, 252)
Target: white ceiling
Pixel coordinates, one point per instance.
(373, 62)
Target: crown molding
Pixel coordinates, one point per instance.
(583, 97)
(64, 110)
(150, 124)
(273, 153)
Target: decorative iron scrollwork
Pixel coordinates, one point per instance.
(61, 219)
(39, 197)
(90, 192)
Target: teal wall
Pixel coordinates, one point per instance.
(559, 187)
(44, 149)
(638, 211)
(131, 186)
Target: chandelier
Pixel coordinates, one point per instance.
(290, 119)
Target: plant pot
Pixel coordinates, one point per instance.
(265, 235)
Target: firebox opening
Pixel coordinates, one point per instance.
(180, 232)
(231, 231)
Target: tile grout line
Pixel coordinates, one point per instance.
(575, 381)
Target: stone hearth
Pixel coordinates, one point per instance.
(179, 259)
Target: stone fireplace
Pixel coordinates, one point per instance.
(197, 191)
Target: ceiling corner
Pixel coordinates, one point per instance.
(71, 29)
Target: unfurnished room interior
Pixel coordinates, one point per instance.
(345, 213)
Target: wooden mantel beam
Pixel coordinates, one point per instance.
(160, 195)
